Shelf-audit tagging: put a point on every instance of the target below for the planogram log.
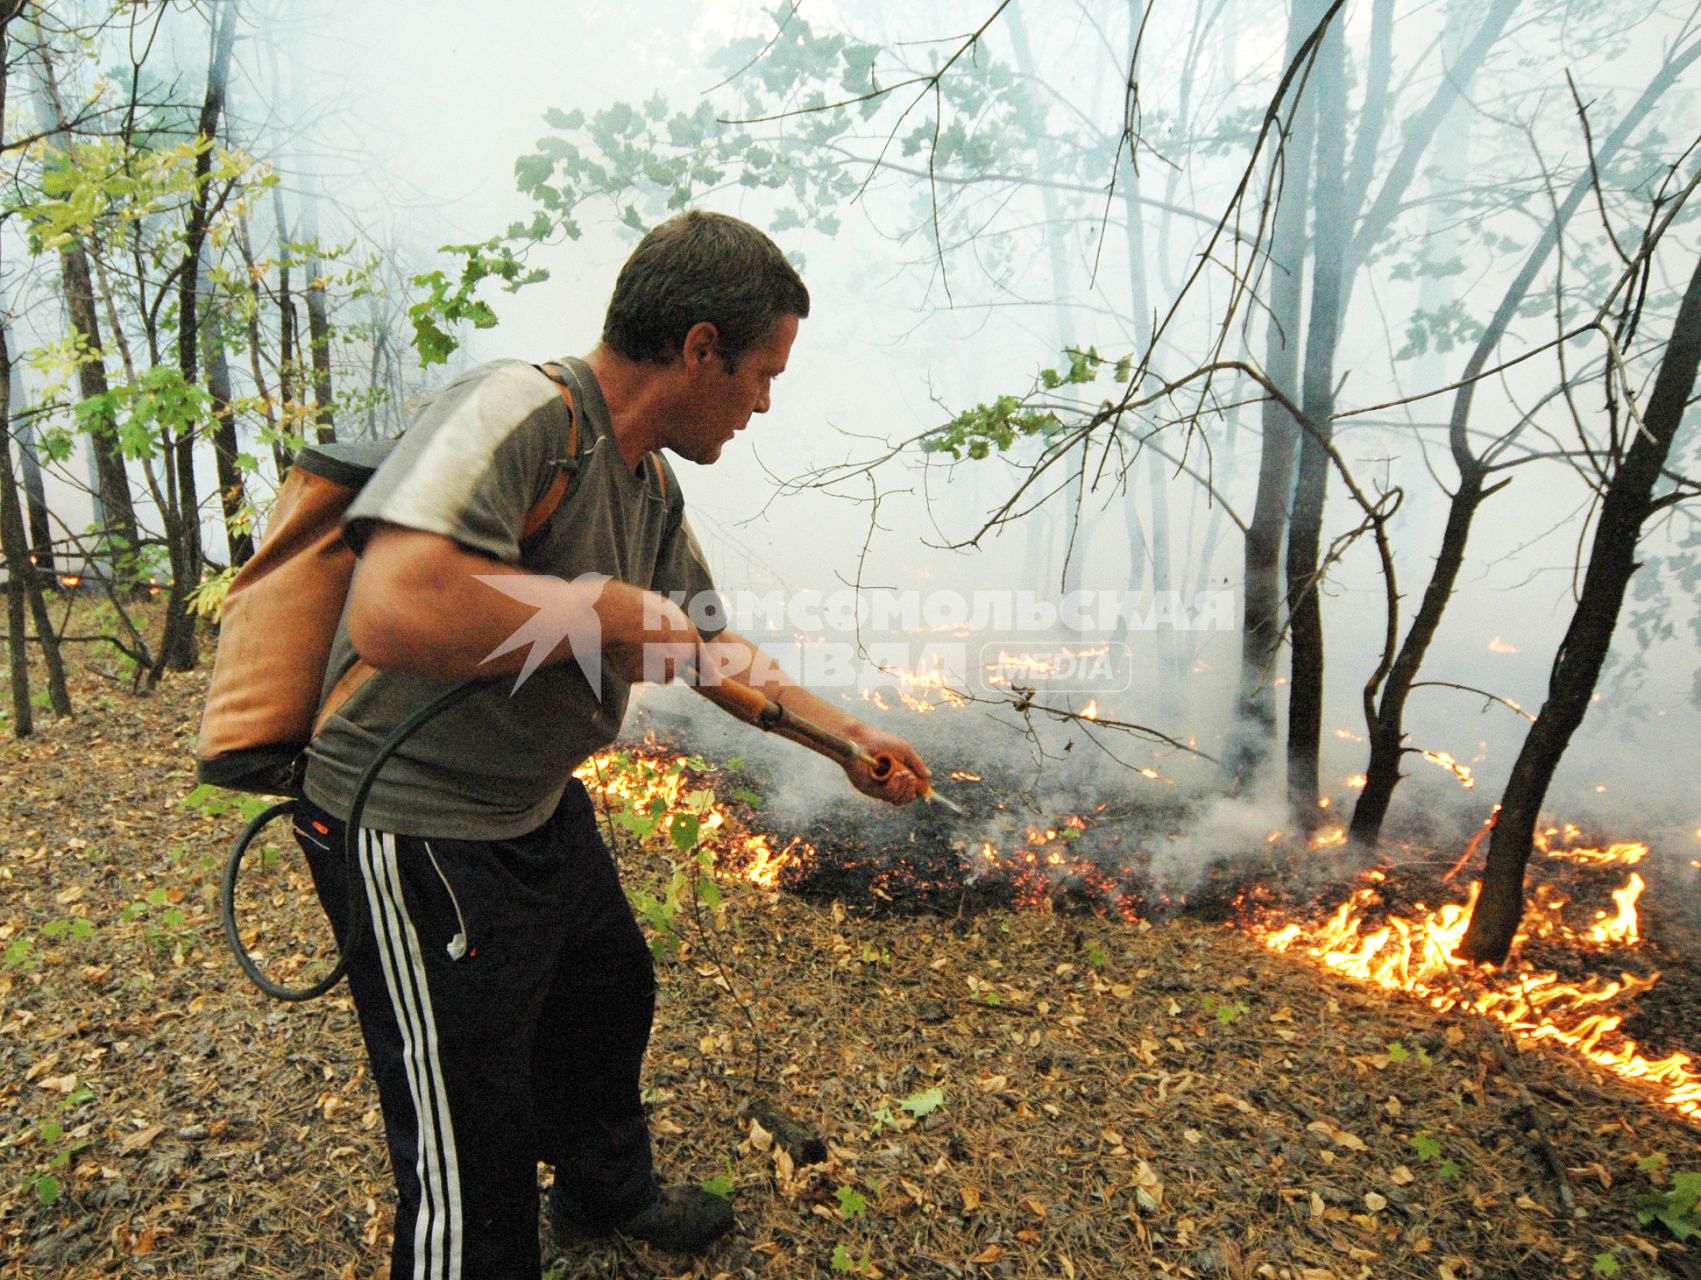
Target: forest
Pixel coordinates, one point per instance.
(1251, 451)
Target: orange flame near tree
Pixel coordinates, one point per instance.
(1415, 955)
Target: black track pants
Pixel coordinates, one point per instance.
(525, 1048)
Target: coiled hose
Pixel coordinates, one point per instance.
(351, 852)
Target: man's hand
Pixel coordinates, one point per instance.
(908, 778)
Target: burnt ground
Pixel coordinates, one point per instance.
(1002, 1093)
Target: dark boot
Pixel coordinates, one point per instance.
(678, 1220)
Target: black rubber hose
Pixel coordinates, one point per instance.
(351, 851)
(227, 904)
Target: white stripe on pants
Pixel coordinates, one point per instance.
(437, 1228)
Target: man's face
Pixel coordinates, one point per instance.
(722, 402)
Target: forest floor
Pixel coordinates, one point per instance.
(1001, 1094)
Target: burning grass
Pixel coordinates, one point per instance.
(1002, 1093)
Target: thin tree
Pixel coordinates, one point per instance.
(23, 584)
(1626, 505)
(1261, 614)
(178, 648)
(116, 513)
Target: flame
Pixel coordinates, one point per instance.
(1091, 710)
(766, 866)
(1460, 771)
(1620, 928)
(655, 774)
(963, 775)
(920, 690)
(1627, 852)
(1357, 781)
(1497, 645)
(1415, 955)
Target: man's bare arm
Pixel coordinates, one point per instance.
(416, 605)
(734, 657)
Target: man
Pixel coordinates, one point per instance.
(504, 990)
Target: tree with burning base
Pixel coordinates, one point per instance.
(1633, 467)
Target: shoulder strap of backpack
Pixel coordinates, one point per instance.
(565, 375)
(546, 505)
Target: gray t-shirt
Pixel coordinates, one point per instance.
(471, 466)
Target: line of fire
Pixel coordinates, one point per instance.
(1581, 975)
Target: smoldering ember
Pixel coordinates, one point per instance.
(1113, 590)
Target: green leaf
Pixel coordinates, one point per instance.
(852, 1205)
(1397, 1052)
(639, 825)
(46, 1188)
(842, 1261)
(531, 172)
(923, 1104)
(1605, 1265)
(684, 829)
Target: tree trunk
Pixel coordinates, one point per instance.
(1261, 627)
(116, 512)
(1577, 665)
(119, 532)
(318, 325)
(23, 584)
(226, 448)
(1159, 549)
(1386, 717)
(380, 342)
(281, 455)
(1039, 563)
(289, 357)
(17, 643)
(1305, 529)
(35, 492)
(178, 648)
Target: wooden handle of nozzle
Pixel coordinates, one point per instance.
(740, 699)
(757, 708)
